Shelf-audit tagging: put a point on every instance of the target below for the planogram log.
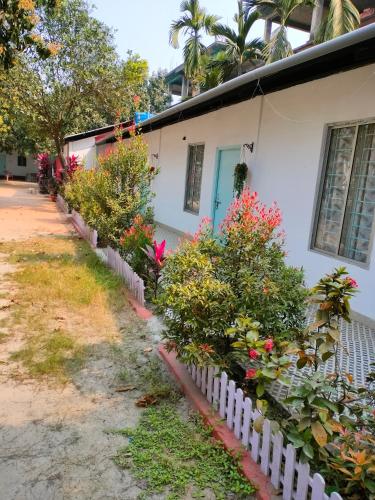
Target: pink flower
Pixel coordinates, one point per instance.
(250, 373)
(351, 282)
(268, 345)
(253, 354)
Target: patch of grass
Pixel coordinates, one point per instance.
(55, 354)
(151, 378)
(66, 300)
(175, 455)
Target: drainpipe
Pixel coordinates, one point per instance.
(316, 20)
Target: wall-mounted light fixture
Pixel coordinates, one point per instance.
(155, 155)
(250, 146)
(184, 138)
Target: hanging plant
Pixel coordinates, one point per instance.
(240, 174)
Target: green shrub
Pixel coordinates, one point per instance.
(110, 197)
(133, 242)
(211, 280)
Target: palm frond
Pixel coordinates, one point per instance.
(176, 27)
(343, 17)
(278, 47)
(225, 31)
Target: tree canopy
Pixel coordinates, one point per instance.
(83, 85)
(19, 23)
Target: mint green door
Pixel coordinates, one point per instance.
(226, 161)
(2, 164)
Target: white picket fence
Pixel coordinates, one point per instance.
(89, 234)
(120, 266)
(61, 204)
(267, 448)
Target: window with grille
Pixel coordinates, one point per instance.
(21, 161)
(194, 177)
(344, 222)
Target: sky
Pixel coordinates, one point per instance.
(143, 26)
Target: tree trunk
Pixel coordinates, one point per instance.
(316, 20)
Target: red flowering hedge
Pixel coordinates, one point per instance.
(210, 281)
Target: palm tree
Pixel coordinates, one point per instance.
(238, 50)
(278, 46)
(193, 23)
(342, 17)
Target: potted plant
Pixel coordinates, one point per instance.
(53, 188)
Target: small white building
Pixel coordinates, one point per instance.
(18, 166)
(305, 126)
(84, 144)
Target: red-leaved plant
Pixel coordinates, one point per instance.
(156, 257)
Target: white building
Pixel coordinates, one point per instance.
(18, 166)
(306, 128)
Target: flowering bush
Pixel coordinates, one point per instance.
(210, 281)
(72, 164)
(110, 197)
(133, 241)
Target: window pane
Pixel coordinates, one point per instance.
(357, 228)
(194, 178)
(335, 187)
(21, 161)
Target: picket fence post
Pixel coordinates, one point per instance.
(266, 448)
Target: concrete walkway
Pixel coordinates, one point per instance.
(24, 213)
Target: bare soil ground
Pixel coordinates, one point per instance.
(54, 443)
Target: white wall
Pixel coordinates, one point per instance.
(11, 164)
(85, 149)
(289, 157)
(226, 127)
(288, 128)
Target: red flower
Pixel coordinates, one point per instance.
(136, 99)
(206, 348)
(250, 373)
(266, 290)
(131, 129)
(351, 282)
(253, 354)
(268, 345)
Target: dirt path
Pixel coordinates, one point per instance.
(53, 439)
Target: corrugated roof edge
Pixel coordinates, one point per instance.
(352, 38)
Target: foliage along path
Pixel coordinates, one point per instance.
(74, 362)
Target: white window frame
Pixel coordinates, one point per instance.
(319, 192)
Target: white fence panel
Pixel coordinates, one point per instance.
(133, 281)
(61, 204)
(266, 448)
(86, 232)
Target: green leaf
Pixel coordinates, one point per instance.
(269, 373)
(308, 450)
(259, 390)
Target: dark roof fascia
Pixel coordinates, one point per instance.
(347, 57)
(93, 133)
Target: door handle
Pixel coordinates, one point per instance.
(217, 203)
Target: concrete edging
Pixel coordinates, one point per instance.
(248, 467)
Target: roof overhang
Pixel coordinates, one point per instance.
(346, 52)
(98, 133)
